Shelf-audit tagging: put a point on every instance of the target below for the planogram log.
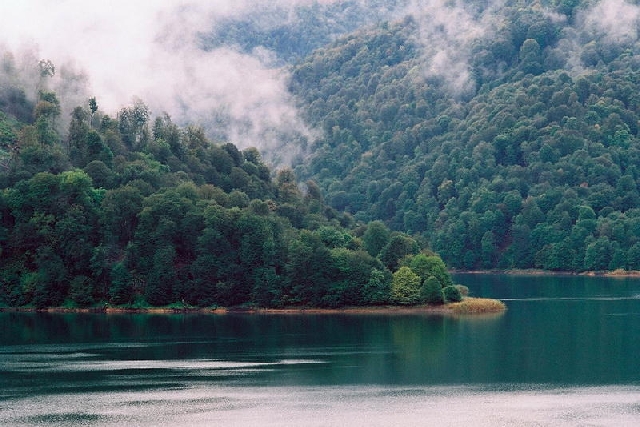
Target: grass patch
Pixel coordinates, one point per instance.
(477, 305)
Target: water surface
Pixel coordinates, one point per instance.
(564, 353)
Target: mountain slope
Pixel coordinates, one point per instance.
(535, 166)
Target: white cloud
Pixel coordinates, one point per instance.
(149, 49)
(617, 20)
(447, 30)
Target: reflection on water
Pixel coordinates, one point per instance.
(323, 406)
(564, 353)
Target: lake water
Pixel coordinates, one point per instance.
(564, 353)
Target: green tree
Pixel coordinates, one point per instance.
(162, 277)
(427, 266)
(119, 214)
(398, 247)
(377, 290)
(81, 291)
(78, 137)
(598, 254)
(452, 294)
(405, 287)
(633, 257)
(376, 237)
(332, 237)
(309, 270)
(121, 289)
(431, 291)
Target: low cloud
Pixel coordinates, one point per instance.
(447, 31)
(616, 20)
(151, 50)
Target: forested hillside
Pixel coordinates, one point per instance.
(134, 210)
(521, 152)
(292, 33)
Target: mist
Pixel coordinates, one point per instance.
(616, 20)
(446, 31)
(151, 50)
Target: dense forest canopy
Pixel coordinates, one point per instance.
(524, 154)
(135, 210)
(292, 33)
(495, 134)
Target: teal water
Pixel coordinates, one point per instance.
(564, 353)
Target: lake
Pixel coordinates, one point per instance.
(564, 353)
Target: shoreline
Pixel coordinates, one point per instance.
(449, 309)
(538, 272)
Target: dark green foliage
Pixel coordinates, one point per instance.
(529, 166)
(81, 291)
(398, 247)
(431, 292)
(121, 288)
(301, 29)
(427, 266)
(376, 237)
(451, 294)
(159, 216)
(494, 177)
(14, 102)
(378, 289)
(309, 269)
(161, 277)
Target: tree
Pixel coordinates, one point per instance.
(488, 249)
(378, 289)
(405, 287)
(46, 112)
(81, 290)
(121, 289)
(287, 188)
(119, 214)
(398, 247)
(376, 237)
(431, 291)
(93, 105)
(531, 57)
(162, 277)
(51, 287)
(598, 254)
(309, 270)
(633, 257)
(133, 124)
(332, 237)
(216, 255)
(78, 137)
(427, 266)
(452, 294)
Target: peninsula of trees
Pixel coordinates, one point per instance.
(131, 211)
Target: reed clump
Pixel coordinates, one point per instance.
(477, 306)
